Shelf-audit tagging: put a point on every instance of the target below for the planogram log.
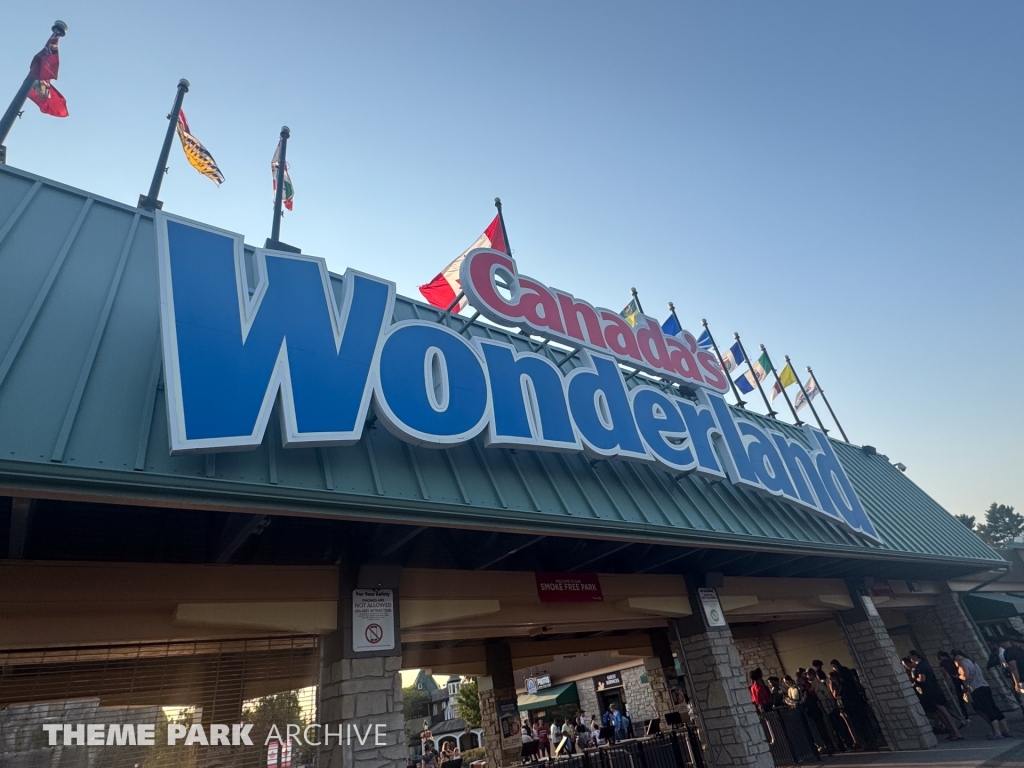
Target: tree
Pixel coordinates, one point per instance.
(1001, 525)
(967, 520)
(416, 709)
(279, 709)
(467, 702)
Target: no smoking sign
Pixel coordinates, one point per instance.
(373, 619)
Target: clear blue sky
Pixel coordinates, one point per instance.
(843, 182)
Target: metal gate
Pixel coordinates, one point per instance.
(150, 690)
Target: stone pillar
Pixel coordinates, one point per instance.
(498, 685)
(732, 731)
(661, 669)
(361, 691)
(946, 626)
(892, 698)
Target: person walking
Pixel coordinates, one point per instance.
(981, 695)
(932, 699)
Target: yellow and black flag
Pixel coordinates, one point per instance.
(197, 154)
(631, 313)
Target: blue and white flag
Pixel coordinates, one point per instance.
(733, 358)
(704, 340)
(810, 392)
(746, 383)
(671, 327)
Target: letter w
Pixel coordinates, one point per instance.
(227, 355)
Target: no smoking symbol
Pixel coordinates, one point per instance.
(374, 633)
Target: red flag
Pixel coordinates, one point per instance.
(44, 67)
(442, 290)
(49, 99)
(46, 63)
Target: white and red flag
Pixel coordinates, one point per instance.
(442, 290)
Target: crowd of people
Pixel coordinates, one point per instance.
(968, 684)
(567, 736)
(836, 715)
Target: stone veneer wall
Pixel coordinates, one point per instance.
(733, 731)
(588, 697)
(759, 652)
(639, 699)
(489, 722)
(892, 698)
(946, 626)
(363, 692)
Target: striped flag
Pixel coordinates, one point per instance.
(198, 156)
(442, 290)
(733, 358)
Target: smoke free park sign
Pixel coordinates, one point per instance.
(232, 347)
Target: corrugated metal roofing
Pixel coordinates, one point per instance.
(82, 409)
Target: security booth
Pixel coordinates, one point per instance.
(239, 490)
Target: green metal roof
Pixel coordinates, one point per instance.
(82, 410)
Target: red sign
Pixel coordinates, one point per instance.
(569, 588)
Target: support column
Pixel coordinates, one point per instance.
(661, 669)
(496, 689)
(731, 728)
(946, 626)
(888, 688)
(361, 691)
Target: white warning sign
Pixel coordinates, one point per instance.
(373, 620)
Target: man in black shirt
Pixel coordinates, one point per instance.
(932, 698)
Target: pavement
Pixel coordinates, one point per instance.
(975, 751)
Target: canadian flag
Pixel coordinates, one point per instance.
(442, 290)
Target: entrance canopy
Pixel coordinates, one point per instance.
(83, 417)
(550, 697)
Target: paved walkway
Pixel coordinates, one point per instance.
(975, 751)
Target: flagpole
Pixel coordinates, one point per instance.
(501, 220)
(275, 229)
(735, 392)
(59, 29)
(771, 414)
(785, 394)
(150, 202)
(827, 404)
(636, 298)
(801, 385)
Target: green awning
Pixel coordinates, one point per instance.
(992, 606)
(550, 697)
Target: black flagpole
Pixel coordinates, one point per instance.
(735, 392)
(827, 404)
(750, 367)
(801, 385)
(274, 241)
(784, 393)
(150, 202)
(501, 220)
(636, 297)
(59, 29)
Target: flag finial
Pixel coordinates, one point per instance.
(671, 307)
(59, 28)
(497, 202)
(286, 132)
(184, 84)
